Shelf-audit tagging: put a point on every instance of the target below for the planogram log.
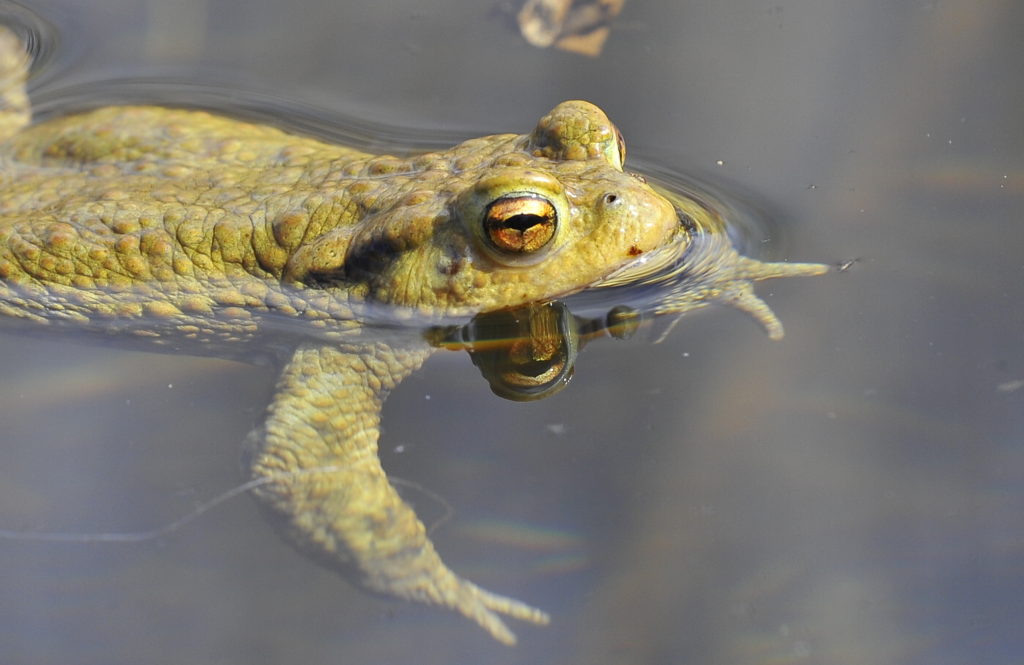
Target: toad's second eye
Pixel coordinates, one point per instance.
(520, 223)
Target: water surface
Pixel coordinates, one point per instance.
(850, 494)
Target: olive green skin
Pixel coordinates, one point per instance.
(185, 230)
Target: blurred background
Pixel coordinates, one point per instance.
(850, 494)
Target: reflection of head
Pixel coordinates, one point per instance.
(527, 353)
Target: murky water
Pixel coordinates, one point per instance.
(850, 494)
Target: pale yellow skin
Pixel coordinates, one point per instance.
(185, 230)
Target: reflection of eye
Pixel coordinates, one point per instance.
(520, 223)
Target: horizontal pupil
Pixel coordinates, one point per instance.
(522, 222)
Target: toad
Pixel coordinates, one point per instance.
(184, 231)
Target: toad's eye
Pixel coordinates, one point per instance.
(520, 223)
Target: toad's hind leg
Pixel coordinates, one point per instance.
(15, 111)
(316, 460)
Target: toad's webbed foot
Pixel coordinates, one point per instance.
(483, 607)
(316, 460)
(434, 583)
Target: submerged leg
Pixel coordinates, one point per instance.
(317, 453)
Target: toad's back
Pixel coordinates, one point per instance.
(115, 201)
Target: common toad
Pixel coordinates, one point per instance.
(186, 231)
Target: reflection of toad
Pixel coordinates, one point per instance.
(184, 231)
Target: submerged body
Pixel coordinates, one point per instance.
(188, 231)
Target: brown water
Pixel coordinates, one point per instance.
(851, 494)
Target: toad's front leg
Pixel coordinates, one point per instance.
(316, 460)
